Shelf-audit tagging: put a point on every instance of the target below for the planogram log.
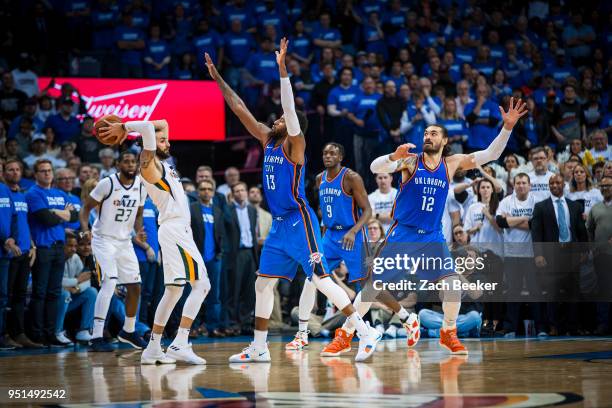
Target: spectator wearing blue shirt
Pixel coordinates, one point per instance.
(301, 44)
(578, 38)
(238, 46)
(186, 68)
(483, 62)
(499, 85)
(240, 11)
(130, 42)
(339, 104)
(208, 41)
(513, 65)
(29, 111)
(103, 20)
(207, 225)
(324, 36)
(455, 126)
(63, 123)
(373, 36)
(64, 180)
(366, 125)
(395, 74)
(395, 18)
(560, 69)
(19, 267)
(157, 55)
(302, 84)
(49, 209)
(497, 51)
(417, 116)
(261, 71)
(271, 16)
(146, 246)
(8, 232)
(484, 118)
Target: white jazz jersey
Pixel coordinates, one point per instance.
(118, 207)
(169, 197)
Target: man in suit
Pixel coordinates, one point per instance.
(242, 236)
(558, 220)
(207, 224)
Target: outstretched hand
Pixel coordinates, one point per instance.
(402, 151)
(515, 112)
(212, 69)
(280, 55)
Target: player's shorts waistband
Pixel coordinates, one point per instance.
(416, 230)
(290, 215)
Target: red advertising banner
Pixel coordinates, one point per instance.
(194, 109)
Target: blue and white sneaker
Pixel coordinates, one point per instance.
(133, 339)
(252, 354)
(367, 344)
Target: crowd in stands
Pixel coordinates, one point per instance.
(370, 75)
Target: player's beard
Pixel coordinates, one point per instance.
(162, 155)
(432, 148)
(277, 134)
(130, 175)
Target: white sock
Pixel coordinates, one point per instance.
(403, 314)
(303, 325)
(155, 340)
(129, 324)
(98, 328)
(260, 338)
(359, 325)
(182, 337)
(451, 311)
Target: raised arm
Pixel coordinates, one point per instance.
(399, 160)
(497, 146)
(257, 129)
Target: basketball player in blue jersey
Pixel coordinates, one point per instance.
(345, 208)
(295, 238)
(419, 204)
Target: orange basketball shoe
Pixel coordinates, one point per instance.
(339, 345)
(450, 341)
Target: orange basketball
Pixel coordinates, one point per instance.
(102, 122)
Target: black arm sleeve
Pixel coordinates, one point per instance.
(47, 218)
(502, 222)
(74, 215)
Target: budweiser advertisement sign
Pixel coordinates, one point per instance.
(194, 109)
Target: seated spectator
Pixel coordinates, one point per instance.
(63, 123)
(39, 148)
(29, 111)
(469, 319)
(11, 98)
(207, 40)
(77, 293)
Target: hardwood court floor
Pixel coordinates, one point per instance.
(513, 373)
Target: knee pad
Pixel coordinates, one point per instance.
(265, 286)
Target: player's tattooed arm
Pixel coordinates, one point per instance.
(150, 167)
(257, 129)
(407, 163)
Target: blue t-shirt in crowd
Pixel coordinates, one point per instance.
(271, 18)
(301, 45)
(76, 202)
(65, 130)
(481, 134)
(263, 66)
(364, 108)
(560, 73)
(463, 55)
(209, 234)
(140, 20)
(39, 198)
(497, 53)
(485, 68)
(343, 98)
(208, 42)
(399, 40)
(23, 228)
(395, 19)
(103, 21)
(149, 222)
(6, 215)
(455, 127)
(244, 14)
(157, 50)
(124, 33)
(238, 47)
(373, 40)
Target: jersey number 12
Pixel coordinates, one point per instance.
(428, 203)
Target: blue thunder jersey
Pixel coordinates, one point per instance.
(283, 182)
(420, 200)
(339, 209)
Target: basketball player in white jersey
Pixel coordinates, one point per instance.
(119, 199)
(181, 257)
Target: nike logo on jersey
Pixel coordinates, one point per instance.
(261, 354)
(296, 223)
(420, 169)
